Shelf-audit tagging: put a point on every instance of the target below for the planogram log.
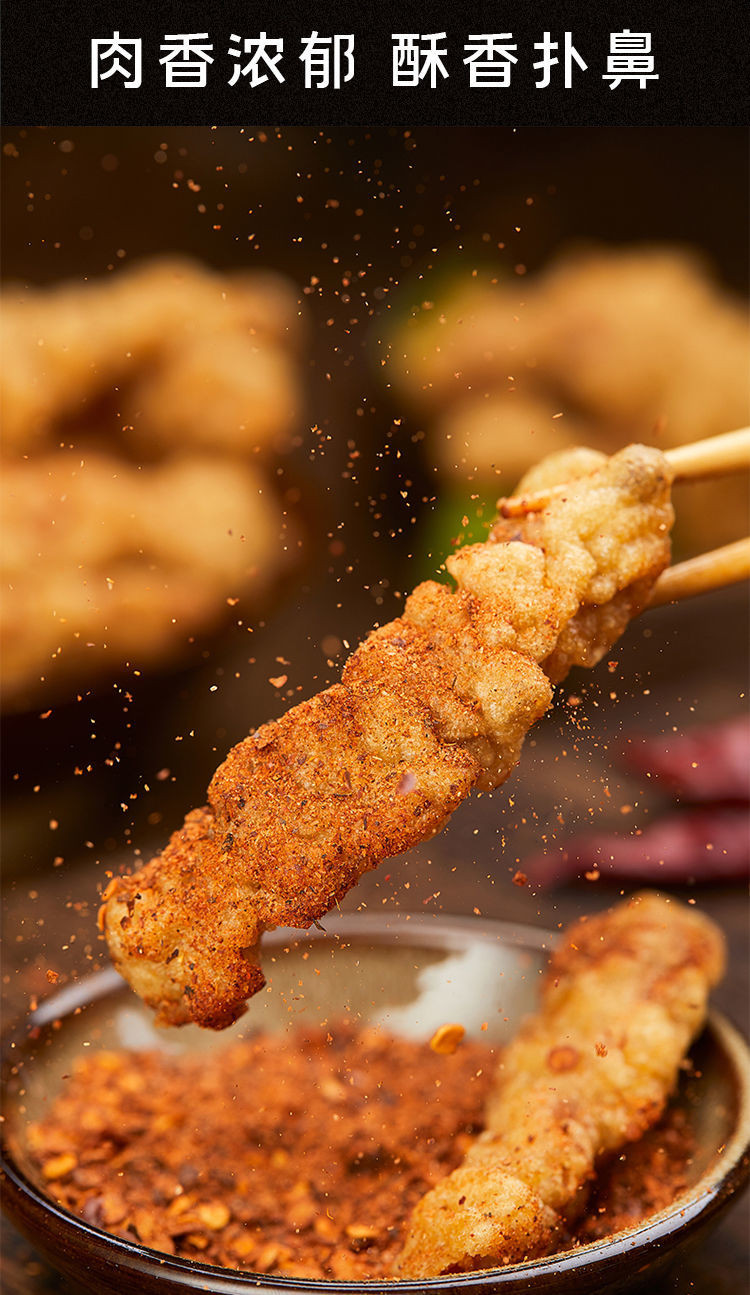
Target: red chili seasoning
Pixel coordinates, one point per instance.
(301, 1154)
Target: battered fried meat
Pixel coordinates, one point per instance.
(430, 705)
(101, 557)
(139, 411)
(195, 357)
(625, 995)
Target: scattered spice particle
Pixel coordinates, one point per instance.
(446, 1039)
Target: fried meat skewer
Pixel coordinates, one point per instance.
(714, 457)
(430, 706)
(625, 995)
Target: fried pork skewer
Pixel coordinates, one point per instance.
(430, 706)
(716, 456)
(625, 995)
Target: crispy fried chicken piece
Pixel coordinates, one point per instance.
(196, 357)
(137, 412)
(99, 554)
(430, 705)
(602, 342)
(625, 995)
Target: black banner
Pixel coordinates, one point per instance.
(135, 63)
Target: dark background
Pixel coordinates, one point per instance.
(700, 58)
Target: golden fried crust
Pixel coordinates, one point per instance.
(625, 994)
(299, 811)
(202, 356)
(602, 343)
(623, 515)
(345, 779)
(163, 934)
(137, 411)
(431, 705)
(464, 1219)
(97, 553)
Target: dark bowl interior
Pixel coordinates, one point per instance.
(411, 974)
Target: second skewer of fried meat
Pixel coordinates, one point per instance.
(625, 995)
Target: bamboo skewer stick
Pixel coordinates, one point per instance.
(712, 457)
(701, 574)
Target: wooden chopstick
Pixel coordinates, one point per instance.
(701, 574)
(727, 453)
(712, 457)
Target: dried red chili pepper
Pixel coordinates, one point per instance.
(693, 845)
(703, 764)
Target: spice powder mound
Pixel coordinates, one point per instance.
(301, 1154)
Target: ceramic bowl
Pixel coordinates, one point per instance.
(411, 973)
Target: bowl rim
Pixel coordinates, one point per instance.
(725, 1176)
(436, 930)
